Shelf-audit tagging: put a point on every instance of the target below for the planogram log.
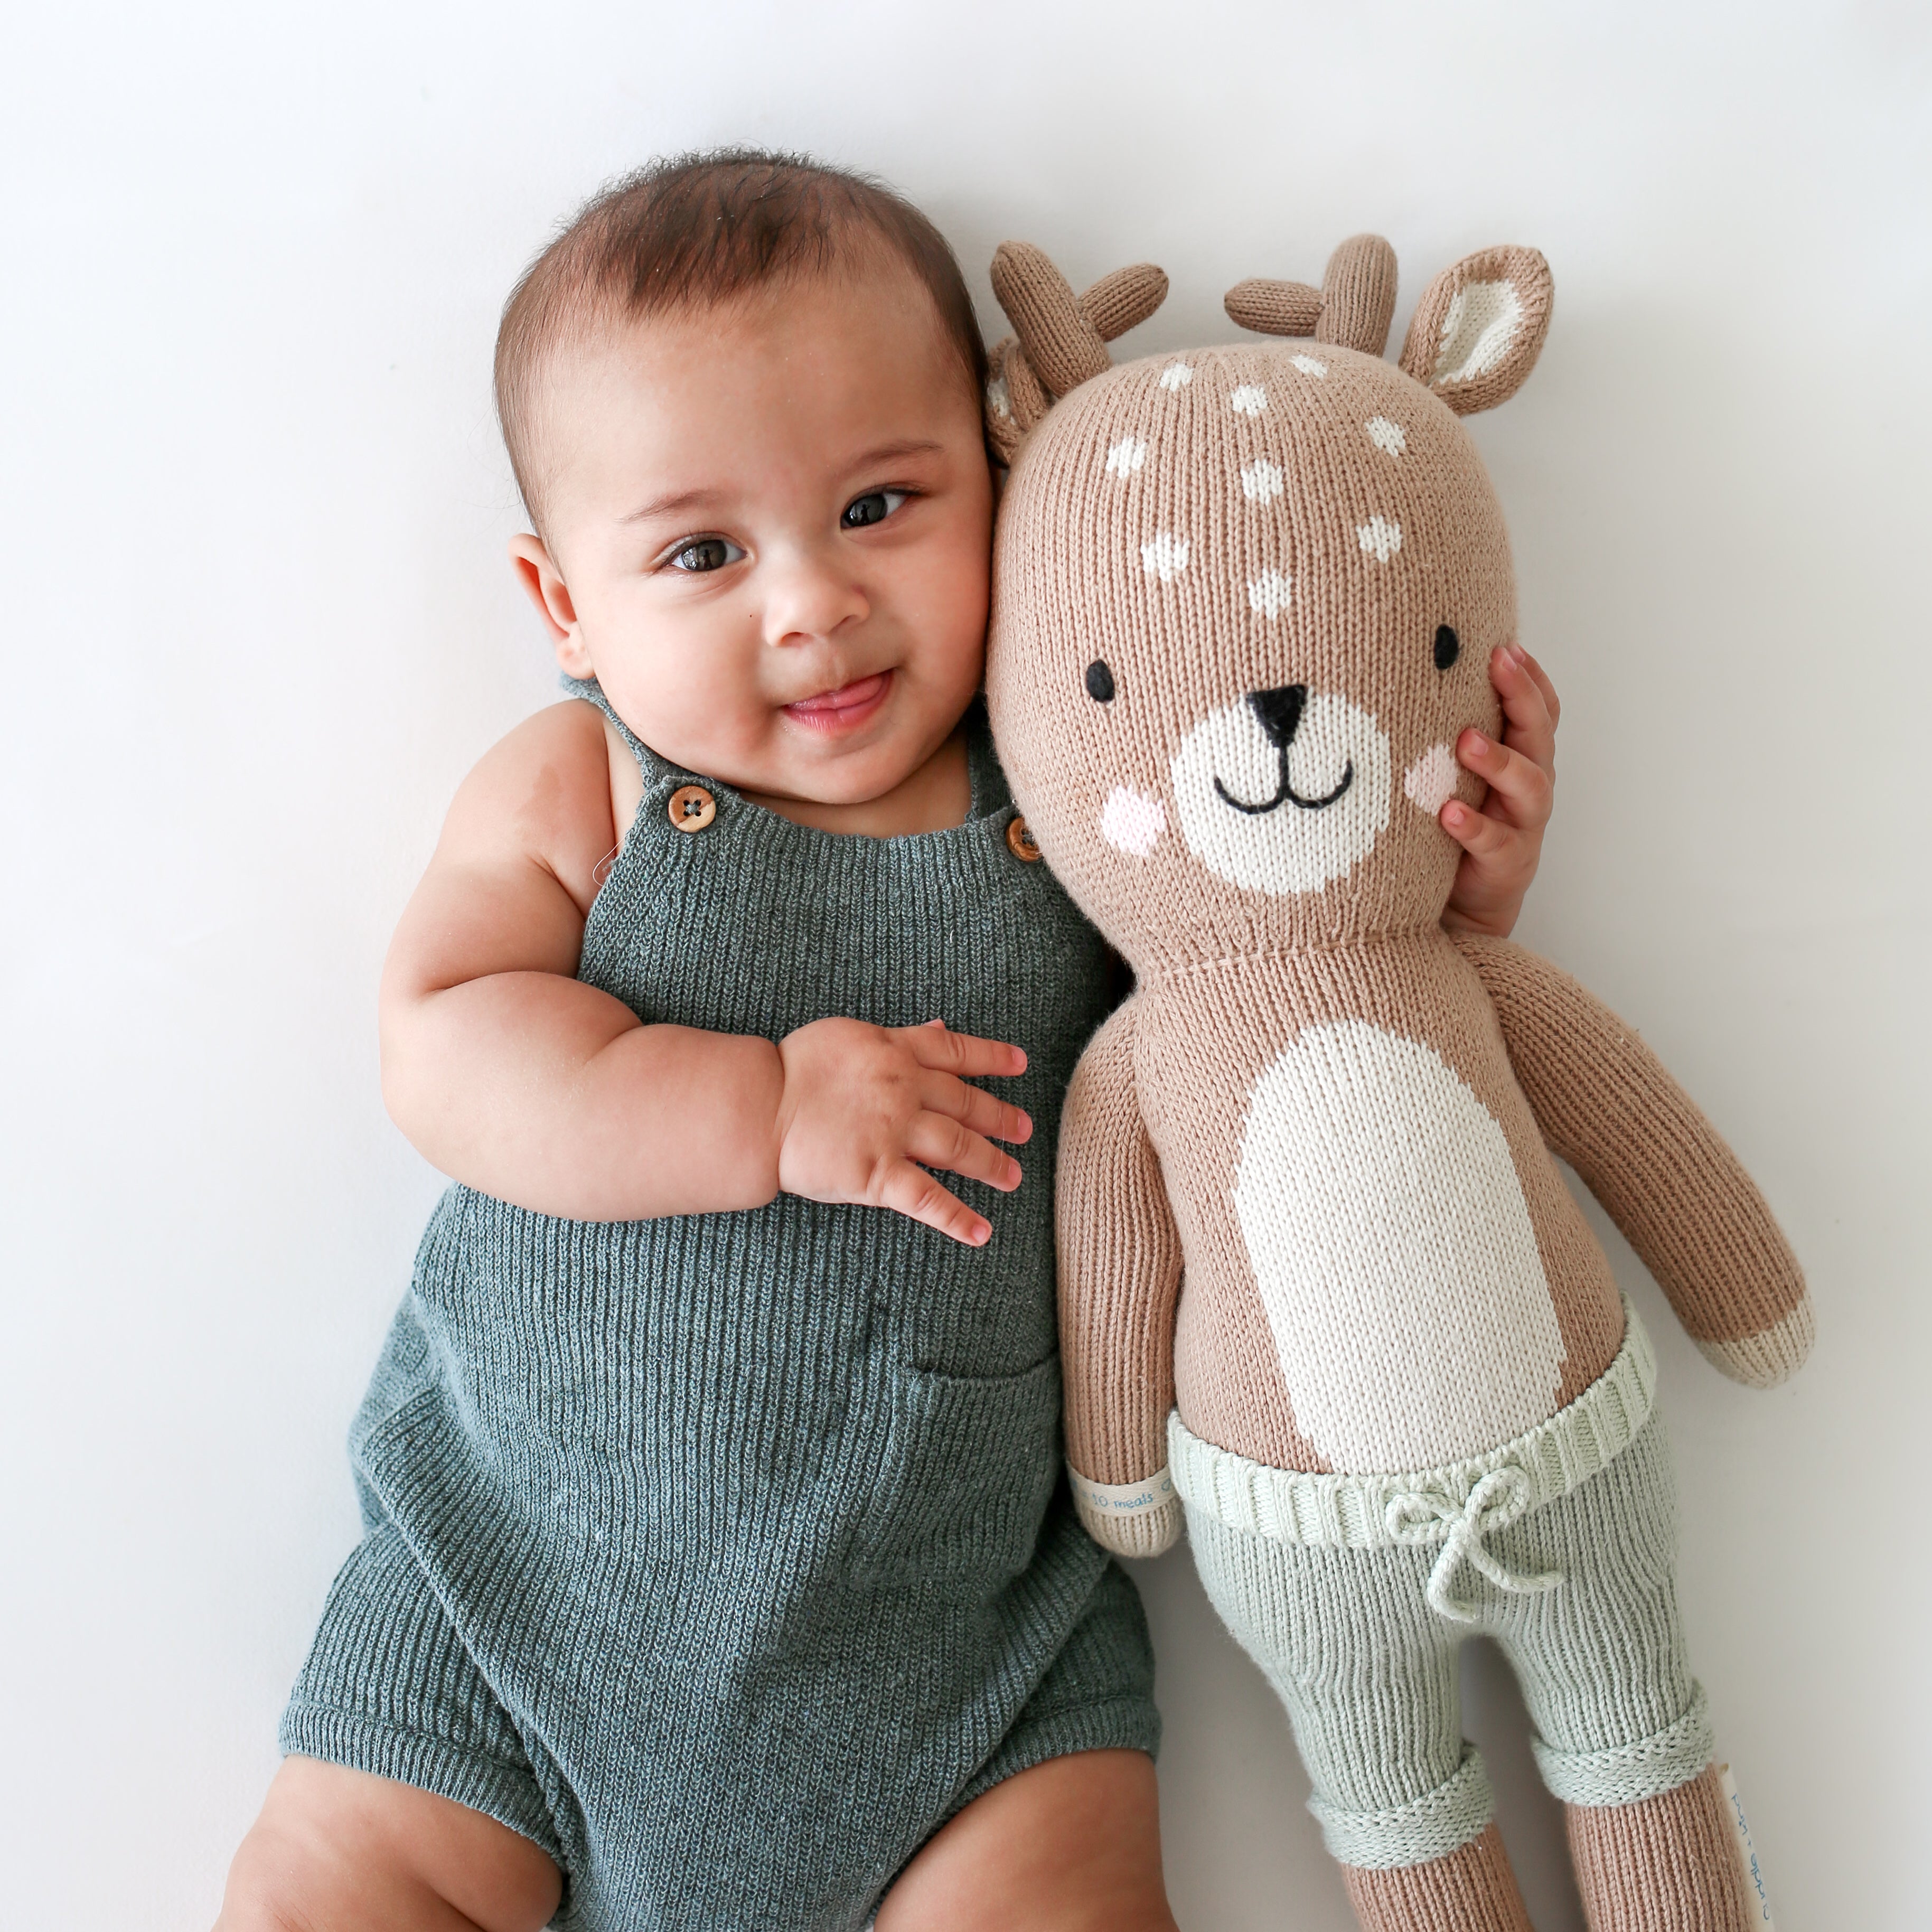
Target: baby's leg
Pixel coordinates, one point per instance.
(337, 1850)
(1068, 1844)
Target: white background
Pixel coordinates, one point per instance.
(258, 623)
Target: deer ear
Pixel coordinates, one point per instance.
(1479, 328)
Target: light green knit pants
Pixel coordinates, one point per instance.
(1367, 1665)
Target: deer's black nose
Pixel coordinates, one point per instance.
(1278, 711)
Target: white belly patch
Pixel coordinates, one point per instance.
(1393, 1248)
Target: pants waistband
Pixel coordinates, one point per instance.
(1375, 1511)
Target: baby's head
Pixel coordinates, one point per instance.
(742, 397)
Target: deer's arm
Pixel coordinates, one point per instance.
(1120, 1273)
(1605, 1103)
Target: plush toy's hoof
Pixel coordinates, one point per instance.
(1130, 1519)
(1764, 1360)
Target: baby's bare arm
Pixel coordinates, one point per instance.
(513, 1076)
(509, 1073)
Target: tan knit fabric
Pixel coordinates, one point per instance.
(1667, 1864)
(1479, 328)
(1244, 601)
(1062, 338)
(1472, 1890)
(1358, 295)
(1274, 308)
(1605, 1104)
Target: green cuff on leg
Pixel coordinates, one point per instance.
(1432, 1826)
(1628, 1774)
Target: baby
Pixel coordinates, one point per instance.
(717, 1569)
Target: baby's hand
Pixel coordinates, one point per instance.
(862, 1105)
(1502, 842)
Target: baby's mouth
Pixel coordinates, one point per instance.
(840, 710)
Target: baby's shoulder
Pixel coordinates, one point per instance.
(543, 792)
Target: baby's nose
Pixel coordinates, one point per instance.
(1278, 712)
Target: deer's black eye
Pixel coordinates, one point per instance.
(1100, 681)
(1448, 647)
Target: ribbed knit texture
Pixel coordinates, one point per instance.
(725, 1555)
(1669, 1865)
(1608, 1105)
(1367, 1669)
(1246, 600)
(1472, 1890)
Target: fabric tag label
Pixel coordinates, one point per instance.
(1123, 1498)
(1754, 1891)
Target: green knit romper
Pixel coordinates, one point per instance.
(726, 1556)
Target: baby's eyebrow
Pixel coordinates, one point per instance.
(677, 502)
(680, 502)
(890, 452)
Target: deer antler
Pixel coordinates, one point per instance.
(1352, 308)
(1062, 338)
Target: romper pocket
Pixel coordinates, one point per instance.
(969, 1466)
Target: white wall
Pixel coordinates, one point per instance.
(258, 624)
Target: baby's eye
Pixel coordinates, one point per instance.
(703, 553)
(874, 507)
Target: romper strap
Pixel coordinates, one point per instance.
(653, 767)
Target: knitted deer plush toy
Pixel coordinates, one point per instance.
(1323, 1292)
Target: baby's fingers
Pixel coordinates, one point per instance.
(913, 1191)
(934, 1140)
(1521, 787)
(964, 1053)
(1495, 845)
(975, 1108)
(1530, 705)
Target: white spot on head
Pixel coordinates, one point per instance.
(1228, 760)
(1133, 822)
(1125, 457)
(1268, 593)
(1481, 323)
(1379, 1204)
(1386, 435)
(1166, 557)
(1430, 783)
(1380, 538)
(1261, 482)
(1248, 400)
(1176, 376)
(1000, 398)
(1309, 365)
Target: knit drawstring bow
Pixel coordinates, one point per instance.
(1426, 1516)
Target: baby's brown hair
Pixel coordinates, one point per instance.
(690, 232)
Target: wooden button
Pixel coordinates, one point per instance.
(692, 809)
(1023, 842)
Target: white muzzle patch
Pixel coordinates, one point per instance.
(1283, 819)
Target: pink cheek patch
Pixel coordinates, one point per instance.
(1130, 821)
(1430, 783)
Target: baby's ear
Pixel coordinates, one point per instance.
(1479, 328)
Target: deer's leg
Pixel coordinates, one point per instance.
(1471, 1890)
(1623, 1735)
(1667, 1864)
(1367, 1670)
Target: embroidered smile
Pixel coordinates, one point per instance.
(1279, 714)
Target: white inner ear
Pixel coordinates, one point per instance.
(1478, 332)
